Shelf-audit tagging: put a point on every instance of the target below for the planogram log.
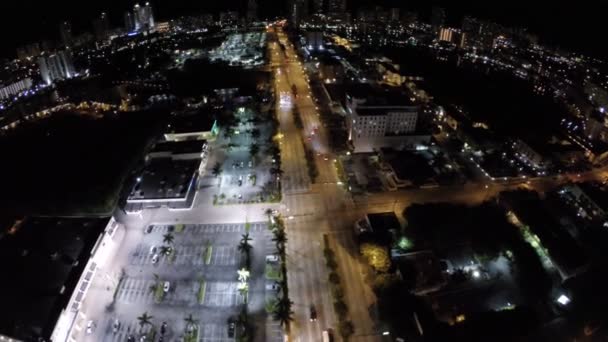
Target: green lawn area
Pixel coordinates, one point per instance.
(271, 305)
(272, 273)
(201, 291)
(159, 292)
(192, 336)
(208, 253)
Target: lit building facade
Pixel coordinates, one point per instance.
(378, 119)
(457, 37)
(15, 88)
(55, 67)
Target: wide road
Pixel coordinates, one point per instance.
(314, 209)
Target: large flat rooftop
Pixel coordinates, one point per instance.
(179, 147)
(165, 179)
(198, 121)
(380, 96)
(41, 260)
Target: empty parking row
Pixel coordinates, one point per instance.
(209, 332)
(186, 293)
(186, 255)
(207, 228)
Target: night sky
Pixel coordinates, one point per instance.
(576, 25)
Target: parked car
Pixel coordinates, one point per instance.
(90, 327)
(231, 327)
(115, 326)
(313, 313)
(272, 259)
(166, 286)
(273, 287)
(155, 258)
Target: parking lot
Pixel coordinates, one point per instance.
(196, 270)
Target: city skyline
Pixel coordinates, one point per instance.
(569, 27)
(342, 172)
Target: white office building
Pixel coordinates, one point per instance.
(380, 117)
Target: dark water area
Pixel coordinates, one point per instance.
(506, 103)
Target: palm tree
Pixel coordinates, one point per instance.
(217, 170)
(255, 133)
(190, 323)
(275, 171)
(280, 239)
(268, 212)
(168, 238)
(165, 250)
(283, 312)
(254, 149)
(244, 245)
(144, 320)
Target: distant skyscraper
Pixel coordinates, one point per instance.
(336, 6)
(470, 25)
(395, 14)
(129, 22)
(252, 10)
(298, 11)
(55, 67)
(65, 33)
(317, 6)
(143, 17)
(101, 26)
(28, 51)
(447, 34)
(229, 17)
(437, 17)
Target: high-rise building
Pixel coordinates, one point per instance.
(437, 17)
(129, 22)
(336, 6)
(15, 88)
(101, 26)
(252, 10)
(457, 37)
(143, 17)
(395, 14)
(317, 6)
(65, 33)
(298, 11)
(471, 25)
(57, 66)
(229, 18)
(28, 51)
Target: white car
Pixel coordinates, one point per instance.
(272, 287)
(155, 258)
(115, 326)
(166, 286)
(153, 249)
(273, 258)
(90, 327)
